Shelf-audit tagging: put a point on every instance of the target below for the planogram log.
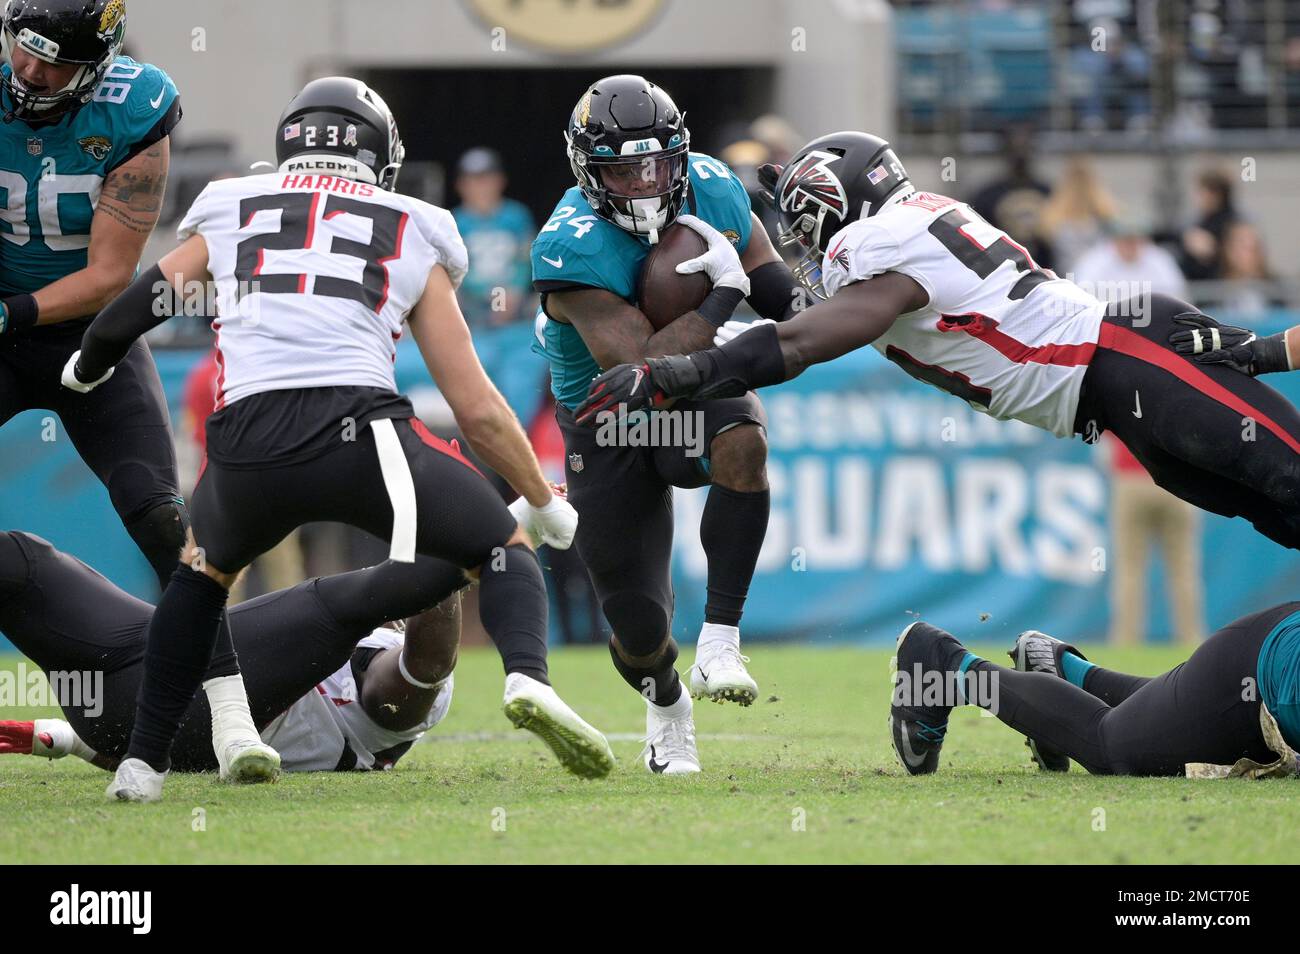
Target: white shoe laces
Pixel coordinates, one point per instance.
(673, 740)
(726, 656)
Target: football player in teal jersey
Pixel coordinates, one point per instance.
(636, 176)
(83, 166)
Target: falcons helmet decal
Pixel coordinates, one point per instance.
(813, 180)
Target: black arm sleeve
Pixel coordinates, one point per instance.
(773, 291)
(749, 361)
(145, 304)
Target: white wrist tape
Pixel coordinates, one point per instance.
(406, 674)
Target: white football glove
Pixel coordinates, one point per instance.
(70, 379)
(552, 525)
(720, 262)
(734, 328)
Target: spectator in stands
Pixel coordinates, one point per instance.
(1142, 514)
(498, 232)
(1128, 264)
(1202, 256)
(1014, 200)
(1114, 71)
(1246, 287)
(1077, 215)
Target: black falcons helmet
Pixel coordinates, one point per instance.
(627, 146)
(83, 33)
(829, 183)
(340, 126)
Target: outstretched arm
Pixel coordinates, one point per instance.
(1206, 341)
(482, 413)
(769, 354)
(147, 302)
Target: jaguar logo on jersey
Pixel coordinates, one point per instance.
(731, 235)
(35, 146)
(97, 147)
(111, 19)
(812, 180)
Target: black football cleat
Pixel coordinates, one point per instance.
(917, 730)
(1038, 652)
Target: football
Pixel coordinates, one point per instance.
(662, 294)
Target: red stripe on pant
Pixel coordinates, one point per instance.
(1116, 338)
(438, 444)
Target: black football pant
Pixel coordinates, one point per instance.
(121, 429)
(67, 618)
(1217, 438)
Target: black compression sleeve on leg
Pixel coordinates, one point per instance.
(731, 531)
(513, 608)
(658, 683)
(146, 303)
(773, 291)
(178, 648)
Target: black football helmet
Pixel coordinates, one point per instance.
(83, 33)
(340, 126)
(829, 183)
(627, 144)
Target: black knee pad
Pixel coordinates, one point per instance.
(160, 535)
(640, 624)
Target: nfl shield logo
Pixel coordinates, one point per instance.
(35, 146)
(575, 463)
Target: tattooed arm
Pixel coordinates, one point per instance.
(125, 216)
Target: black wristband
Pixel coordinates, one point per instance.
(1270, 354)
(21, 311)
(719, 304)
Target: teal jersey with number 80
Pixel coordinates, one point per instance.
(577, 248)
(51, 174)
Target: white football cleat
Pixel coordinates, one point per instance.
(719, 674)
(136, 781)
(670, 741)
(246, 762)
(535, 706)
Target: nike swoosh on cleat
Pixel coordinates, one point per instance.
(910, 756)
(657, 767)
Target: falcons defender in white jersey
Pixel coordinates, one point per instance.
(316, 268)
(962, 306)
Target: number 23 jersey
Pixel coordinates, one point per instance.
(315, 275)
(1008, 337)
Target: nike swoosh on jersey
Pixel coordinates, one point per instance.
(556, 262)
(155, 103)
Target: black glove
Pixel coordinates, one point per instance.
(639, 386)
(768, 173)
(1205, 340)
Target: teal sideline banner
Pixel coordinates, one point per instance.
(889, 500)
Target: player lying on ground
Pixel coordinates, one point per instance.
(1205, 710)
(317, 268)
(636, 176)
(959, 305)
(330, 688)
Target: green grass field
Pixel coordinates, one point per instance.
(806, 775)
